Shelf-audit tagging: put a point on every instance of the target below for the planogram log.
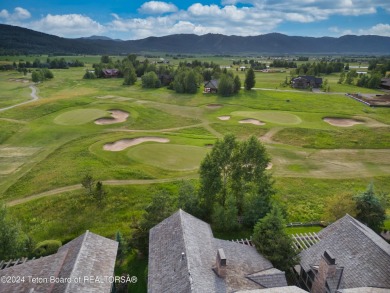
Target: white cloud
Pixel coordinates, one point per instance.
(68, 25)
(157, 7)
(380, 29)
(18, 15)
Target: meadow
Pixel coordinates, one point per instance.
(48, 145)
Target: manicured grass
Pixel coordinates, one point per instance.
(296, 230)
(80, 116)
(169, 156)
(270, 116)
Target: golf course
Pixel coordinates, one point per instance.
(137, 140)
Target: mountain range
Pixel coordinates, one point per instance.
(26, 41)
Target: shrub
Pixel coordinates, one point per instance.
(47, 247)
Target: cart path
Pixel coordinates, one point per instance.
(106, 182)
(33, 95)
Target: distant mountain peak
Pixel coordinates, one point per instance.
(16, 39)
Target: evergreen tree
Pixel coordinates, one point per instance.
(369, 209)
(237, 84)
(272, 241)
(249, 79)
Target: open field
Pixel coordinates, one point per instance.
(47, 146)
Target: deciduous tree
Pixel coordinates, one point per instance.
(12, 240)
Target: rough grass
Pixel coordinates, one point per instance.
(312, 160)
(355, 138)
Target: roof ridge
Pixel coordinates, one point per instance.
(181, 218)
(77, 258)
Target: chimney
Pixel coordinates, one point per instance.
(326, 269)
(220, 266)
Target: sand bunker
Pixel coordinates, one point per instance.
(252, 121)
(214, 106)
(342, 122)
(123, 144)
(269, 166)
(117, 116)
(224, 118)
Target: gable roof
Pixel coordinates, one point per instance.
(182, 253)
(363, 254)
(212, 84)
(87, 255)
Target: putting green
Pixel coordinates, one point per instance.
(276, 117)
(80, 116)
(168, 156)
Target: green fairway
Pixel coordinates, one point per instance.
(270, 116)
(80, 116)
(48, 145)
(169, 156)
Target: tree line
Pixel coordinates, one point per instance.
(186, 78)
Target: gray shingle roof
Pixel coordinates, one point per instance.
(287, 289)
(364, 255)
(269, 278)
(87, 255)
(170, 271)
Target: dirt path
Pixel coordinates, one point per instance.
(106, 182)
(268, 136)
(33, 95)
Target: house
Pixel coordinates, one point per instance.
(348, 258)
(304, 82)
(211, 86)
(184, 257)
(85, 264)
(385, 83)
(109, 73)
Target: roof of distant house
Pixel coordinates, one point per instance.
(363, 254)
(182, 253)
(211, 84)
(89, 255)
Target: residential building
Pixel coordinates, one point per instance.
(211, 86)
(304, 82)
(184, 257)
(348, 255)
(85, 264)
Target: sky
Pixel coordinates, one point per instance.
(131, 19)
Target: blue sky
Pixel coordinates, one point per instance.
(130, 19)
